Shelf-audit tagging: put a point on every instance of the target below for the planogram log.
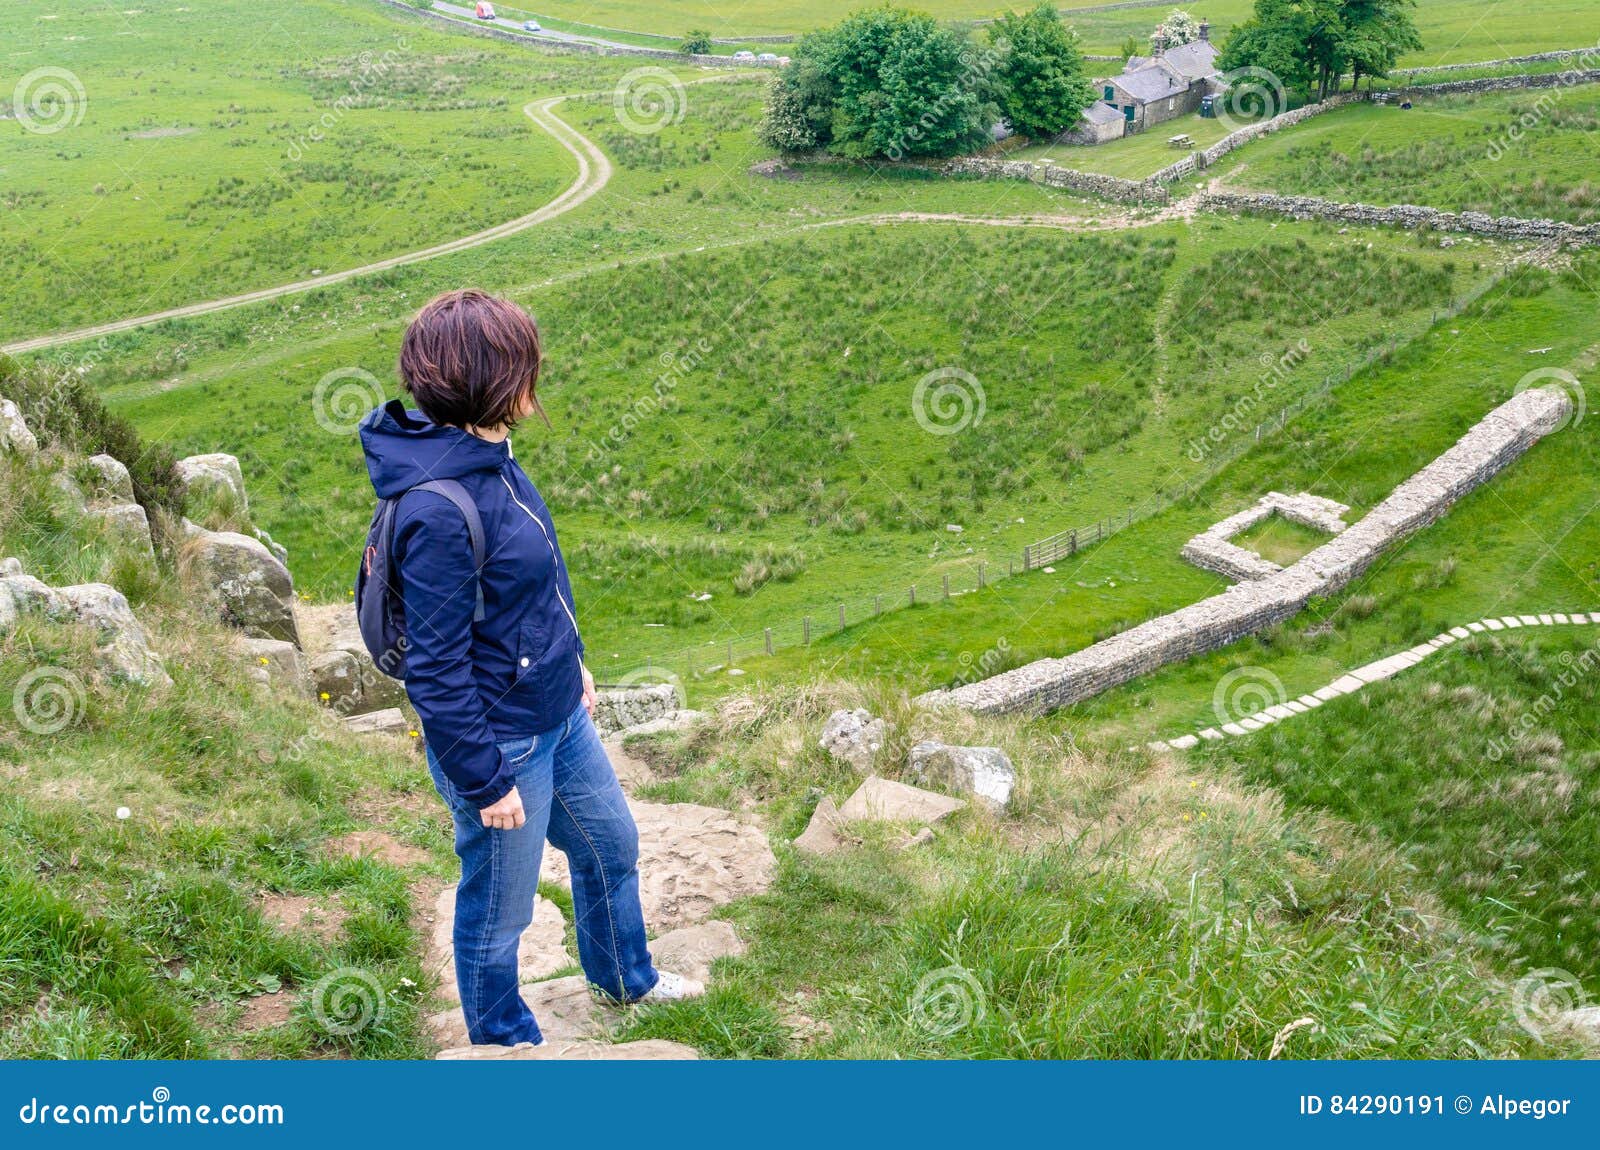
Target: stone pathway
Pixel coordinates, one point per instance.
(1373, 672)
(692, 860)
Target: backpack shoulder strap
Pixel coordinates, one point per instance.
(457, 494)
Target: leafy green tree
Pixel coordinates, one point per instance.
(696, 43)
(1379, 32)
(1311, 44)
(1130, 47)
(1042, 85)
(883, 82)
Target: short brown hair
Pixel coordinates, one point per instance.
(469, 359)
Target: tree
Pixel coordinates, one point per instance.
(696, 43)
(1130, 47)
(1042, 85)
(882, 82)
(1310, 44)
(1178, 28)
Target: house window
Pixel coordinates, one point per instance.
(1171, 103)
(1111, 95)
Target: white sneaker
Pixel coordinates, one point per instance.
(672, 987)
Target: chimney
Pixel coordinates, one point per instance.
(1205, 30)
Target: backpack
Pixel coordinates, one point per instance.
(380, 612)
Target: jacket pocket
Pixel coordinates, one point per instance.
(531, 650)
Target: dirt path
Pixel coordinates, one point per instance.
(594, 172)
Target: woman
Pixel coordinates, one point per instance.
(503, 694)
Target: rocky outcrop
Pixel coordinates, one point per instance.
(15, 437)
(630, 707)
(983, 772)
(1483, 452)
(277, 661)
(120, 642)
(245, 583)
(853, 737)
(214, 476)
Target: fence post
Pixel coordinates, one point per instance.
(1027, 558)
(1010, 568)
(730, 652)
(913, 594)
(1072, 542)
(768, 636)
(946, 581)
(807, 629)
(980, 576)
(877, 604)
(841, 616)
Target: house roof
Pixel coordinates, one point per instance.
(1098, 113)
(1155, 81)
(1196, 59)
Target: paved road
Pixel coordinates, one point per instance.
(516, 26)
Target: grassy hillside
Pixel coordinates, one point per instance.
(1504, 153)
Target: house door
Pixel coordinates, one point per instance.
(1127, 113)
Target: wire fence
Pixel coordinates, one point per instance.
(962, 578)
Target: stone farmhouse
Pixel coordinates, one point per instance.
(1168, 83)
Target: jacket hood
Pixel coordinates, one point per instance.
(404, 448)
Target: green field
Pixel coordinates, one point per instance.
(1132, 157)
(1453, 31)
(1505, 153)
(194, 173)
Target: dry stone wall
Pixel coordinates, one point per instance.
(1402, 215)
(1500, 438)
(1095, 184)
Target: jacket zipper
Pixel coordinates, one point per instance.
(555, 581)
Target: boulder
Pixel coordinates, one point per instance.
(619, 710)
(884, 800)
(122, 645)
(336, 680)
(985, 772)
(107, 480)
(387, 722)
(854, 737)
(14, 434)
(213, 476)
(127, 527)
(281, 663)
(279, 551)
(245, 582)
(8, 608)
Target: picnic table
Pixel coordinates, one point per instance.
(1181, 140)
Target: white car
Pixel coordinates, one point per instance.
(532, 26)
(768, 57)
(744, 54)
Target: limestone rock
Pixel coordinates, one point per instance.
(127, 526)
(823, 834)
(110, 482)
(982, 771)
(885, 800)
(281, 661)
(692, 859)
(122, 644)
(213, 476)
(249, 587)
(619, 710)
(853, 737)
(14, 434)
(279, 551)
(690, 950)
(386, 722)
(8, 608)
(337, 675)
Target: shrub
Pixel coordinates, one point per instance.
(696, 43)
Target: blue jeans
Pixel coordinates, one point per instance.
(570, 794)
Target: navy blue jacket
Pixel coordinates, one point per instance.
(517, 673)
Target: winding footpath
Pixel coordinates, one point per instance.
(594, 172)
